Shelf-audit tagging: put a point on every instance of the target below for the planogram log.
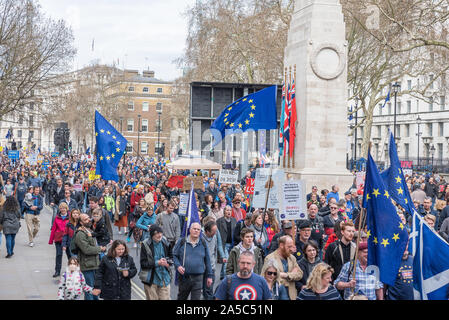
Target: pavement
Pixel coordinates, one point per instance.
(28, 274)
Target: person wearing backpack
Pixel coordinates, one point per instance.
(192, 262)
(156, 257)
(84, 245)
(72, 282)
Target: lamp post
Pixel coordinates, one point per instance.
(418, 121)
(432, 153)
(121, 125)
(158, 135)
(138, 136)
(355, 136)
(396, 87)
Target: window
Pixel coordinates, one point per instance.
(399, 107)
(380, 109)
(431, 81)
(159, 107)
(407, 130)
(417, 105)
(389, 108)
(144, 126)
(407, 150)
(145, 106)
(19, 133)
(144, 147)
(409, 84)
(441, 129)
(130, 126)
(159, 90)
(442, 102)
(158, 125)
(31, 106)
(146, 89)
(429, 129)
(31, 134)
(131, 105)
(431, 104)
(398, 130)
(20, 120)
(379, 131)
(131, 89)
(409, 106)
(31, 121)
(440, 151)
(129, 147)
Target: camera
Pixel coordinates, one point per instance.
(170, 261)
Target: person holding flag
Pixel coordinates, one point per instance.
(191, 256)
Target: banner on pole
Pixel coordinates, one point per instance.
(261, 185)
(249, 187)
(183, 203)
(293, 200)
(228, 176)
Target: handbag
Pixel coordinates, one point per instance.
(145, 275)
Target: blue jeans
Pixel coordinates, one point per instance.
(90, 281)
(228, 247)
(59, 254)
(10, 243)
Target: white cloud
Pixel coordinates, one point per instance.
(140, 33)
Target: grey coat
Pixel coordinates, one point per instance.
(10, 221)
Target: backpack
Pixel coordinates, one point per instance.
(73, 248)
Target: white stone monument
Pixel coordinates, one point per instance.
(317, 50)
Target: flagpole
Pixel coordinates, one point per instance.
(289, 117)
(268, 195)
(293, 151)
(188, 218)
(283, 135)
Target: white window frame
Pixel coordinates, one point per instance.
(147, 90)
(128, 124)
(131, 89)
(159, 107)
(131, 104)
(145, 106)
(144, 147)
(142, 125)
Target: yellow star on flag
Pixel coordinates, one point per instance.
(395, 237)
(253, 107)
(400, 191)
(225, 119)
(398, 179)
(401, 226)
(375, 240)
(406, 200)
(108, 132)
(102, 131)
(231, 125)
(113, 155)
(101, 158)
(387, 194)
(251, 115)
(368, 234)
(227, 123)
(226, 115)
(240, 125)
(108, 158)
(96, 134)
(244, 100)
(247, 121)
(230, 108)
(384, 242)
(114, 137)
(118, 149)
(250, 101)
(118, 142)
(367, 197)
(376, 192)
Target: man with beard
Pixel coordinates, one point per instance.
(287, 264)
(245, 284)
(88, 252)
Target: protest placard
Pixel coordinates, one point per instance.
(261, 184)
(293, 200)
(183, 203)
(228, 176)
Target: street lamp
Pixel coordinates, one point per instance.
(121, 124)
(159, 135)
(432, 153)
(396, 88)
(418, 121)
(138, 136)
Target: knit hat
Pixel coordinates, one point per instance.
(363, 245)
(155, 229)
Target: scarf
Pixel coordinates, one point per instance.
(243, 249)
(237, 213)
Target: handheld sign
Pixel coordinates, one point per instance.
(183, 203)
(249, 187)
(228, 176)
(293, 200)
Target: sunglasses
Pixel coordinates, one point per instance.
(269, 273)
(333, 208)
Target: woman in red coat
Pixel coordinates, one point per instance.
(57, 234)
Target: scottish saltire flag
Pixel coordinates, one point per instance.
(8, 135)
(88, 151)
(281, 126)
(387, 236)
(110, 146)
(394, 180)
(387, 98)
(192, 214)
(430, 263)
(254, 111)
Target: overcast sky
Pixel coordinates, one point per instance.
(139, 34)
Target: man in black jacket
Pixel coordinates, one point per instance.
(342, 250)
(155, 264)
(226, 226)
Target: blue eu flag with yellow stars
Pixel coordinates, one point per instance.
(387, 236)
(393, 178)
(111, 146)
(254, 111)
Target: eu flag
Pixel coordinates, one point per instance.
(394, 180)
(387, 236)
(192, 214)
(110, 148)
(254, 111)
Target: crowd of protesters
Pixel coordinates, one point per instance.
(303, 259)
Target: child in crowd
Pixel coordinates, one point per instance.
(100, 231)
(72, 283)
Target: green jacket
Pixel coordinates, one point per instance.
(88, 251)
(232, 265)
